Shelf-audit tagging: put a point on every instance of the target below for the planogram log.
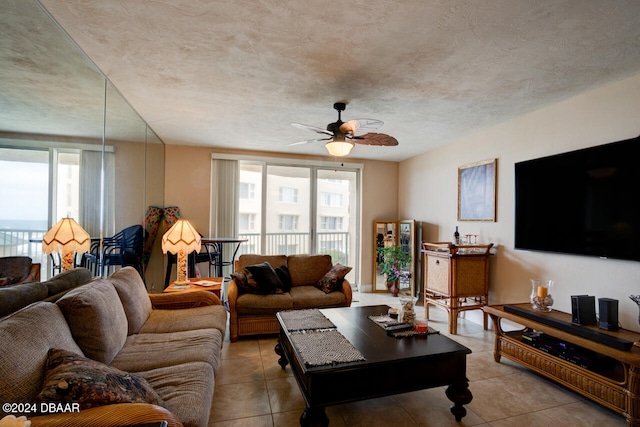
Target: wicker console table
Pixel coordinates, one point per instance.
(615, 384)
(456, 279)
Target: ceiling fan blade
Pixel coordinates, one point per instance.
(373, 138)
(310, 140)
(359, 127)
(311, 128)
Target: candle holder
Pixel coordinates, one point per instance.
(541, 299)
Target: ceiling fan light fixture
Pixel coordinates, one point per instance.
(339, 148)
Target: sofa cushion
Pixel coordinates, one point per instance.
(332, 281)
(251, 304)
(96, 319)
(252, 259)
(312, 297)
(187, 390)
(151, 351)
(14, 297)
(307, 270)
(27, 335)
(133, 296)
(68, 279)
(186, 319)
(72, 378)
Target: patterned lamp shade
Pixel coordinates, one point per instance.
(181, 239)
(66, 238)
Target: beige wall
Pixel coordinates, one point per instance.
(428, 193)
(129, 184)
(187, 185)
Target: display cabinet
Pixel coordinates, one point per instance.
(456, 279)
(400, 233)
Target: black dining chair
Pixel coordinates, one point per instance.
(124, 249)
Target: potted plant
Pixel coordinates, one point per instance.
(394, 266)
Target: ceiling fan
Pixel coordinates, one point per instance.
(342, 136)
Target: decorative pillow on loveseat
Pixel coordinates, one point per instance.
(258, 279)
(72, 378)
(285, 277)
(332, 281)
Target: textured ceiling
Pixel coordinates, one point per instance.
(236, 73)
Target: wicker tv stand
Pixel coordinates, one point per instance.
(616, 386)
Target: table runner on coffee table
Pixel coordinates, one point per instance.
(325, 347)
(305, 320)
(317, 339)
(383, 319)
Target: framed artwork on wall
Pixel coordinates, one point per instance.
(477, 191)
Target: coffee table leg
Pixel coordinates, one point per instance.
(283, 359)
(460, 395)
(314, 417)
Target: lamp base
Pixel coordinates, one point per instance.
(181, 268)
(67, 261)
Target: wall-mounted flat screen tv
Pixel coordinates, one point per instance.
(584, 202)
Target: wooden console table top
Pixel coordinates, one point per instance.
(632, 357)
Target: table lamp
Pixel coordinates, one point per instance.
(66, 238)
(181, 239)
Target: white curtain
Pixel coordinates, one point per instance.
(90, 183)
(225, 178)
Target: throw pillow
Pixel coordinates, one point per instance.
(266, 278)
(75, 379)
(285, 277)
(246, 283)
(332, 281)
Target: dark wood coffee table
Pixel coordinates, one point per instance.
(392, 365)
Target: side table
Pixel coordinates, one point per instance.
(210, 284)
(456, 279)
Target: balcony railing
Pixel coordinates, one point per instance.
(336, 244)
(333, 243)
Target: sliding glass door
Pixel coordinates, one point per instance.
(290, 209)
(42, 188)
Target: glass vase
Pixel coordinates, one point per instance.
(541, 298)
(407, 313)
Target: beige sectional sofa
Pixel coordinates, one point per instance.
(254, 313)
(164, 348)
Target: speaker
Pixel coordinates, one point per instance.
(583, 309)
(608, 314)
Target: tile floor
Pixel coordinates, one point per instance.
(253, 391)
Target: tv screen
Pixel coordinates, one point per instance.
(584, 202)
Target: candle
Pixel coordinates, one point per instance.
(542, 291)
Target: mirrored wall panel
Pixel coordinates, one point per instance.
(70, 144)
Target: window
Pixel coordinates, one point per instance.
(247, 222)
(298, 208)
(329, 246)
(288, 195)
(333, 200)
(288, 222)
(331, 223)
(247, 190)
(25, 219)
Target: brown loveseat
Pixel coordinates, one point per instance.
(254, 313)
(116, 325)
